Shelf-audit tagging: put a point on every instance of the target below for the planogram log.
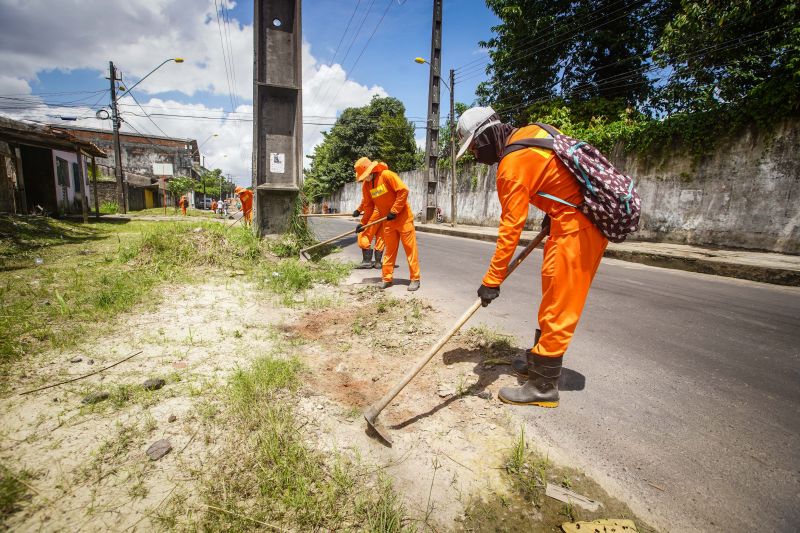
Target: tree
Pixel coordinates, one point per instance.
(592, 52)
(178, 186)
(745, 51)
(378, 130)
(209, 183)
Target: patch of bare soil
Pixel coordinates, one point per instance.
(89, 463)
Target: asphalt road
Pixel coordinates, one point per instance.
(683, 392)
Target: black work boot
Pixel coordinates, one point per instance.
(377, 262)
(366, 258)
(520, 365)
(386, 284)
(542, 386)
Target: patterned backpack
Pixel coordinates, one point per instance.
(609, 199)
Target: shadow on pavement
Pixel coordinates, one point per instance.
(571, 380)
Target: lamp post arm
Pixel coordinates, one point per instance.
(129, 89)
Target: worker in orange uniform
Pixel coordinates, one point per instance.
(213, 206)
(572, 252)
(183, 203)
(388, 195)
(246, 197)
(365, 237)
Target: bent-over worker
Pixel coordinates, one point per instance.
(388, 195)
(375, 232)
(246, 197)
(572, 252)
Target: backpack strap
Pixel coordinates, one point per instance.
(547, 144)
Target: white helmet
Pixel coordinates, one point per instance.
(471, 123)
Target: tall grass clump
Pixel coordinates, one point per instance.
(267, 473)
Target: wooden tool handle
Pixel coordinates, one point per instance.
(307, 215)
(343, 235)
(389, 396)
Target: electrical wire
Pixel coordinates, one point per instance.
(224, 55)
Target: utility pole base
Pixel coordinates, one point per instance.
(273, 211)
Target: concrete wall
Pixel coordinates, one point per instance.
(745, 195)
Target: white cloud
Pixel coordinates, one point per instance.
(41, 35)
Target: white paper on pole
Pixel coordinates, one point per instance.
(277, 163)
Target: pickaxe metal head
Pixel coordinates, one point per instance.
(374, 427)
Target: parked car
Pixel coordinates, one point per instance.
(204, 203)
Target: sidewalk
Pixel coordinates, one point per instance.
(766, 267)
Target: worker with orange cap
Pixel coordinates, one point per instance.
(246, 197)
(365, 237)
(388, 195)
(183, 203)
(572, 252)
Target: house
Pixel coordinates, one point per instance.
(145, 160)
(43, 169)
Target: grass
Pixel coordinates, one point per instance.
(171, 211)
(109, 208)
(60, 280)
(12, 491)
(527, 508)
(267, 473)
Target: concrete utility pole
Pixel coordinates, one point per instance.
(454, 177)
(432, 138)
(277, 113)
(122, 194)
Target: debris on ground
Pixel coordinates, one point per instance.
(95, 397)
(76, 360)
(603, 525)
(570, 497)
(159, 449)
(153, 384)
(172, 418)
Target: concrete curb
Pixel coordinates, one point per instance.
(761, 273)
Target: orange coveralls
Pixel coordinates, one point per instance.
(246, 197)
(573, 250)
(387, 192)
(182, 202)
(376, 231)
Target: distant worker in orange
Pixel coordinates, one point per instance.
(246, 197)
(183, 202)
(365, 237)
(388, 195)
(213, 206)
(572, 252)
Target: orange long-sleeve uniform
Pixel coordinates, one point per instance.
(182, 203)
(246, 197)
(387, 193)
(372, 232)
(573, 249)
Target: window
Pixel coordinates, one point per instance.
(62, 172)
(76, 177)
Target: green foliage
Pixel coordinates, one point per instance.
(444, 143)
(109, 208)
(746, 52)
(12, 490)
(210, 183)
(378, 131)
(580, 51)
(180, 185)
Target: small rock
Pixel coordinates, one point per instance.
(375, 378)
(341, 367)
(484, 395)
(153, 384)
(197, 230)
(55, 400)
(445, 390)
(90, 361)
(320, 407)
(95, 397)
(172, 418)
(158, 449)
(76, 360)
(179, 364)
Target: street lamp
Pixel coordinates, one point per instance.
(422, 61)
(122, 184)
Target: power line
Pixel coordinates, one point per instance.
(224, 55)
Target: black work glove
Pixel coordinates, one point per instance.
(356, 213)
(487, 294)
(391, 216)
(359, 228)
(546, 223)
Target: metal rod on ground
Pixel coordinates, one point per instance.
(375, 409)
(306, 215)
(80, 377)
(232, 224)
(342, 236)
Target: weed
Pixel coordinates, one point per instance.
(12, 491)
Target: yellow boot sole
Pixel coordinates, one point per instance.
(548, 405)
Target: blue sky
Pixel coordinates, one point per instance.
(73, 56)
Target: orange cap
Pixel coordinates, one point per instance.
(238, 189)
(364, 167)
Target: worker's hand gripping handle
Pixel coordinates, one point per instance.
(342, 236)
